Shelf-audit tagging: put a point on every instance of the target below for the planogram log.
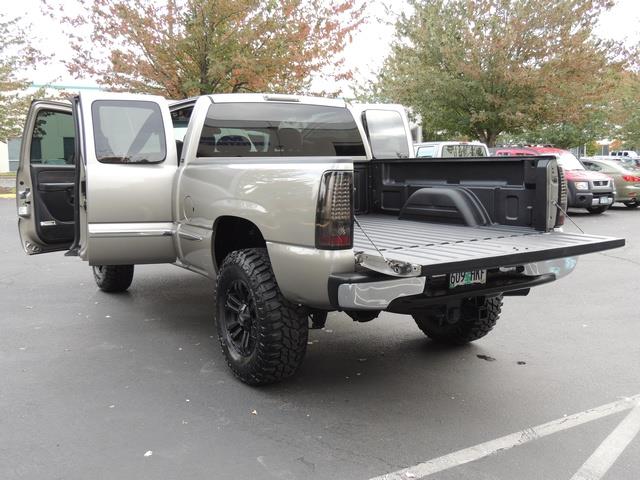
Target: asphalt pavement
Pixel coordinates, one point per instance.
(133, 386)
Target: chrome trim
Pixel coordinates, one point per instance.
(395, 268)
(560, 267)
(378, 295)
(111, 230)
(190, 236)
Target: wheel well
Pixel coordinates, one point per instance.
(234, 233)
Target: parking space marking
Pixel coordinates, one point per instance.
(608, 452)
(507, 442)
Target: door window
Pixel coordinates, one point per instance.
(128, 132)
(52, 142)
(387, 134)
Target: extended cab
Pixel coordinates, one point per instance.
(296, 206)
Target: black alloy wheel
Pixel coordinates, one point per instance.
(239, 319)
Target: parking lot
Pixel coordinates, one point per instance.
(134, 385)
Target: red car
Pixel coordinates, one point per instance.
(586, 189)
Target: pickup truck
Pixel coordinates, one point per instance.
(296, 206)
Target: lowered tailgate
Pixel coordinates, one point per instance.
(434, 248)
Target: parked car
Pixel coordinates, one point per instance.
(450, 149)
(630, 162)
(624, 153)
(586, 188)
(626, 179)
(513, 151)
(296, 209)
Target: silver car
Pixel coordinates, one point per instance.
(626, 178)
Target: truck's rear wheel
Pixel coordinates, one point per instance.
(113, 278)
(263, 336)
(475, 318)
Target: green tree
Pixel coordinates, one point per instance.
(16, 54)
(190, 47)
(482, 67)
(625, 110)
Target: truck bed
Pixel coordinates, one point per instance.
(443, 248)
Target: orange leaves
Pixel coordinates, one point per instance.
(189, 47)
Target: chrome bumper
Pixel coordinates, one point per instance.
(377, 295)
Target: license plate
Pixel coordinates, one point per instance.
(604, 200)
(460, 279)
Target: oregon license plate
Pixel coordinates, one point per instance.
(460, 279)
(604, 200)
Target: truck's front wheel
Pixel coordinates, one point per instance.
(475, 318)
(263, 336)
(113, 278)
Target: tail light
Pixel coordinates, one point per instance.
(334, 215)
(562, 197)
(631, 178)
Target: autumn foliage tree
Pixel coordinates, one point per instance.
(481, 67)
(16, 54)
(183, 48)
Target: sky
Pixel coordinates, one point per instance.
(364, 56)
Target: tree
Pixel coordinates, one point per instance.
(190, 47)
(482, 67)
(625, 110)
(15, 54)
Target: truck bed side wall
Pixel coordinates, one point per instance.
(513, 191)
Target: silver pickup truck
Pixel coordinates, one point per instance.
(297, 206)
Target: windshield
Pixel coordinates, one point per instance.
(568, 161)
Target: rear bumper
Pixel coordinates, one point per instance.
(371, 291)
(628, 193)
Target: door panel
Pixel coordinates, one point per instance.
(54, 202)
(45, 179)
(130, 167)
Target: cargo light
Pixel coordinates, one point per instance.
(334, 215)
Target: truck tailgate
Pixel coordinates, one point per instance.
(442, 248)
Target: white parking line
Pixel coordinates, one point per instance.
(608, 452)
(509, 441)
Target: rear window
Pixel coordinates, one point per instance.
(128, 132)
(279, 129)
(450, 151)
